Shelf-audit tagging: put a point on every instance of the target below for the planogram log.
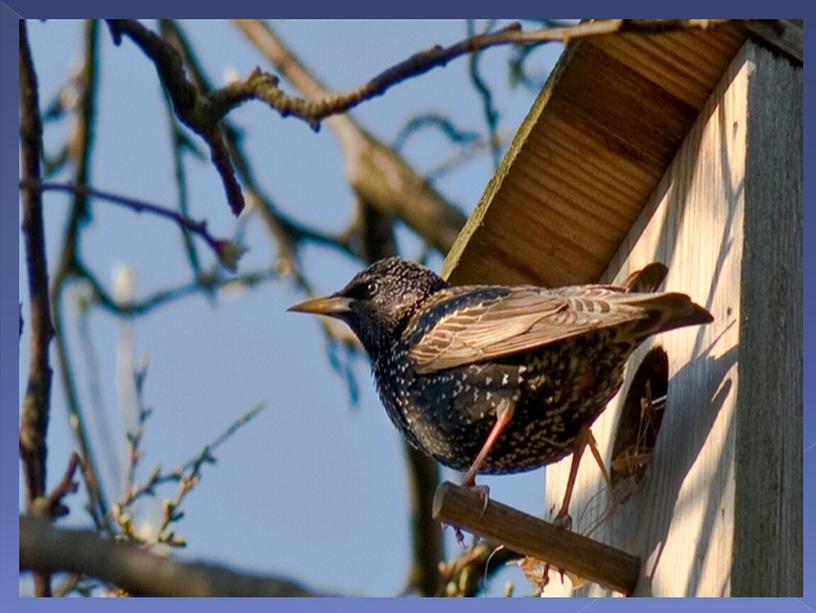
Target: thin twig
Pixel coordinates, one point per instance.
(433, 120)
(263, 86)
(461, 156)
(186, 475)
(207, 283)
(134, 438)
(491, 115)
(66, 486)
(51, 506)
(227, 252)
(179, 144)
(518, 72)
(81, 148)
(100, 418)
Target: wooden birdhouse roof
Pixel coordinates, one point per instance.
(593, 148)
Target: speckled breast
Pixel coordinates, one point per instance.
(556, 390)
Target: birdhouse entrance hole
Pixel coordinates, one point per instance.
(640, 419)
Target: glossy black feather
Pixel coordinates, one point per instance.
(444, 358)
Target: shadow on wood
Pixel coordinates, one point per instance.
(463, 508)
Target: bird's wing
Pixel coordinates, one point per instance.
(466, 325)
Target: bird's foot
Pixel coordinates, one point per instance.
(545, 575)
(562, 520)
(460, 537)
(483, 491)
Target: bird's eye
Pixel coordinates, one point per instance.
(372, 288)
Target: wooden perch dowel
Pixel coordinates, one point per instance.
(462, 507)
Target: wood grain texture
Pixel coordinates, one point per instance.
(768, 506)
(463, 507)
(785, 36)
(590, 152)
(719, 510)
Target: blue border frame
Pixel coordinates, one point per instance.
(9, 270)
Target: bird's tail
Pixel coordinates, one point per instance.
(647, 279)
(664, 311)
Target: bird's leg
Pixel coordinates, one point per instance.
(596, 453)
(504, 413)
(563, 518)
(582, 439)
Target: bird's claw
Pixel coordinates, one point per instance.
(483, 491)
(563, 521)
(460, 537)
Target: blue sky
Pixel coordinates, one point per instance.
(312, 488)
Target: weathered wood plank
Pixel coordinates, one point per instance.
(680, 521)
(602, 132)
(719, 510)
(768, 505)
(783, 36)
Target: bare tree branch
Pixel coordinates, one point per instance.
(203, 112)
(34, 420)
(227, 252)
(423, 472)
(317, 106)
(427, 546)
(517, 69)
(81, 147)
(36, 404)
(46, 548)
(134, 437)
(196, 111)
(286, 232)
(404, 195)
(378, 174)
(104, 441)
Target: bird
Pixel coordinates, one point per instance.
(495, 379)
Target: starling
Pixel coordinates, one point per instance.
(495, 379)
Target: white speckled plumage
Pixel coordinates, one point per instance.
(446, 359)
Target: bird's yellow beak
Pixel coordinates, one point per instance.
(331, 306)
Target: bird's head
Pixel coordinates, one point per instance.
(378, 302)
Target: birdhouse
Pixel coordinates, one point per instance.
(682, 146)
